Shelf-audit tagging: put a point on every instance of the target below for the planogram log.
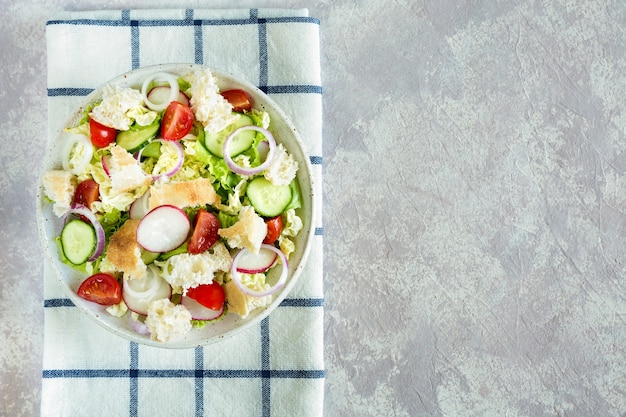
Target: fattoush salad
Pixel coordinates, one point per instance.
(176, 202)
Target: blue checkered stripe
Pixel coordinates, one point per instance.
(206, 377)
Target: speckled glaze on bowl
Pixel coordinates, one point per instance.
(69, 278)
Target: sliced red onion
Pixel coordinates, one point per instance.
(137, 325)
(253, 170)
(173, 90)
(84, 212)
(236, 275)
(79, 166)
(180, 158)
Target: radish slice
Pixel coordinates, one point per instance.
(254, 263)
(169, 78)
(139, 208)
(263, 148)
(236, 275)
(200, 312)
(84, 212)
(81, 146)
(105, 164)
(162, 93)
(253, 170)
(137, 325)
(163, 229)
(139, 293)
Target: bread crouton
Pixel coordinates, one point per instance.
(191, 193)
(241, 303)
(59, 185)
(248, 232)
(125, 172)
(124, 252)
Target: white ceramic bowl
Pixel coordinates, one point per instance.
(284, 132)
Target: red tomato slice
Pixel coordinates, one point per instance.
(274, 227)
(238, 99)
(177, 121)
(101, 135)
(209, 295)
(101, 288)
(204, 233)
(86, 193)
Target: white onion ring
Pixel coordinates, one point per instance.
(83, 211)
(72, 141)
(236, 275)
(254, 170)
(173, 90)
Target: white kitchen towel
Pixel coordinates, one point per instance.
(273, 369)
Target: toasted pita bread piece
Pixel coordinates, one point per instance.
(124, 252)
(191, 193)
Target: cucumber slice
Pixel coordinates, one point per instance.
(149, 257)
(152, 150)
(214, 142)
(78, 240)
(136, 137)
(268, 200)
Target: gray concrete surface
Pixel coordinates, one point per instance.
(475, 204)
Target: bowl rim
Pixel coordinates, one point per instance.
(304, 174)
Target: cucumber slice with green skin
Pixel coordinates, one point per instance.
(149, 257)
(152, 150)
(214, 142)
(268, 200)
(78, 240)
(136, 137)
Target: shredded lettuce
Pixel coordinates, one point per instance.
(255, 282)
(112, 220)
(296, 201)
(226, 220)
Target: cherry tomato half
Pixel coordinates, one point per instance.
(101, 135)
(86, 193)
(274, 227)
(177, 121)
(204, 233)
(101, 288)
(209, 295)
(238, 99)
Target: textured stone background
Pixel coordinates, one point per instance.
(475, 204)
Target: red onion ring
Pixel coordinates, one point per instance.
(180, 154)
(236, 275)
(84, 212)
(173, 90)
(254, 170)
(137, 325)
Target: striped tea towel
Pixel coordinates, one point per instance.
(273, 369)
